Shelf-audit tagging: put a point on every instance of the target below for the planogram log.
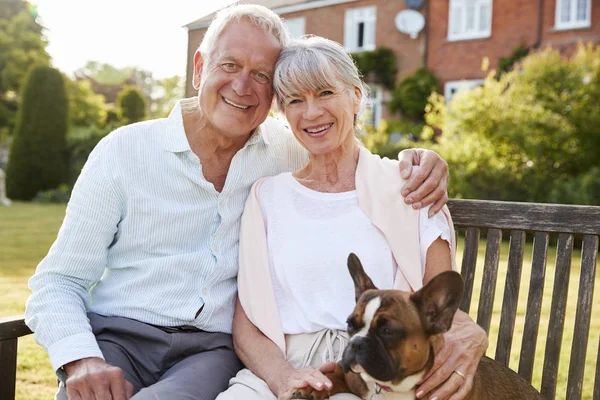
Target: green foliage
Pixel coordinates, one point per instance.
(60, 195)
(530, 135)
(166, 93)
(38, 154)
(378, 66)
(131, 105)
(410, 96)
(505, 64)
(81, 141)
(23, 45)
(85, 107)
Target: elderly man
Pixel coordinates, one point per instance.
(136, 296)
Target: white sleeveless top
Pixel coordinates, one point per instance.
(310, 235)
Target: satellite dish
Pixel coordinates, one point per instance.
(410, 22)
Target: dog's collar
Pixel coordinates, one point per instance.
(382, 388)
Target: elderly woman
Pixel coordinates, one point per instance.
(298, 228)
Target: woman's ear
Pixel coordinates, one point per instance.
(357, 98)
(198, 64)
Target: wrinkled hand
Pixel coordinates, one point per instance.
(427, 184)
(95, 379)
(464, 345)
(294, 379)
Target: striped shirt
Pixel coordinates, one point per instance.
(146, 237)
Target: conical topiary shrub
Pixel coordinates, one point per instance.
(38, 155)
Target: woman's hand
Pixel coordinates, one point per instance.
(464, 345)
(292, 379)
(427, 184)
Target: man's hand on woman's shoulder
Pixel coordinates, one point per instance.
(427, 184)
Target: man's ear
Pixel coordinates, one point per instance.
(362, 282)
(198, 64)
(438, 301)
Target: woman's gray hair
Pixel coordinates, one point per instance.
(314, 63)
(259, 16)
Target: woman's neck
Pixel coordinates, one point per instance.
(333, 172)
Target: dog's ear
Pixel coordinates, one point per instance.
(438, 301)
(362, 282)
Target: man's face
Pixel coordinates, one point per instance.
(236, 84)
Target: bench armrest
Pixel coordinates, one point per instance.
(13, 328)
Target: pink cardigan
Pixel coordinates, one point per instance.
(378, 186)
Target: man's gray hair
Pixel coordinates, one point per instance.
(259, 16)
(314, 63)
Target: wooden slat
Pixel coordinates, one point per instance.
(511, 296)
(526, 216)
(557, 314)
(582, 318)
(490, 276)
(468, 266)
(13, 327)
(8, 366)
(534, 305)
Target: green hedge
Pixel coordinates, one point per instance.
(38, 156)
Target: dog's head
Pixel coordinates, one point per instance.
(390, 329)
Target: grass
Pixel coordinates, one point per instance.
(28, 230)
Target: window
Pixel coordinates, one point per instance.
(452, 87)
(359, 29)
(573, 14)
(295, 26)
(469, 19)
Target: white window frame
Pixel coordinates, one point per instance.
(452, 87)
(295, 26)
(460, 6)
(573, 23)
(355, 16)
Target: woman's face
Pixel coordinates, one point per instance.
(323, 121)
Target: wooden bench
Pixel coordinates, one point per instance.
(513, 220)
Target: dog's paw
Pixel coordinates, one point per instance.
(310, 394)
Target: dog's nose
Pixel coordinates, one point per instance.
(357, 344)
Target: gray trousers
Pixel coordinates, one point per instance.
(194, 365)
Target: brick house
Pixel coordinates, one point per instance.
(466, 31)
(458, 35)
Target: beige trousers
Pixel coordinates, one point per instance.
(303, 350)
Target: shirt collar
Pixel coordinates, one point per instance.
(175, 139)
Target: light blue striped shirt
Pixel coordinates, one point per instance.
(146, 237)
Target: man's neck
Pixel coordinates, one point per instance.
(214, 149)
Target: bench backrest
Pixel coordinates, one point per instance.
(514, 220)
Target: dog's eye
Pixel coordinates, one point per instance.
(351, 328)
(385, 331)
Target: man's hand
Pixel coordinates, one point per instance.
(464, 345)
(95, 379)
(427, 184)
(292, 379)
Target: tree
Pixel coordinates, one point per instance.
(167, 92)
(38, 154)
(86, 108)
(131, 105)
(410, 96)
(530, 135)
(23, 45)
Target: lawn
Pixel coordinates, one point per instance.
(28, 230)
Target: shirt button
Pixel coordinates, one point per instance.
(204, 292)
